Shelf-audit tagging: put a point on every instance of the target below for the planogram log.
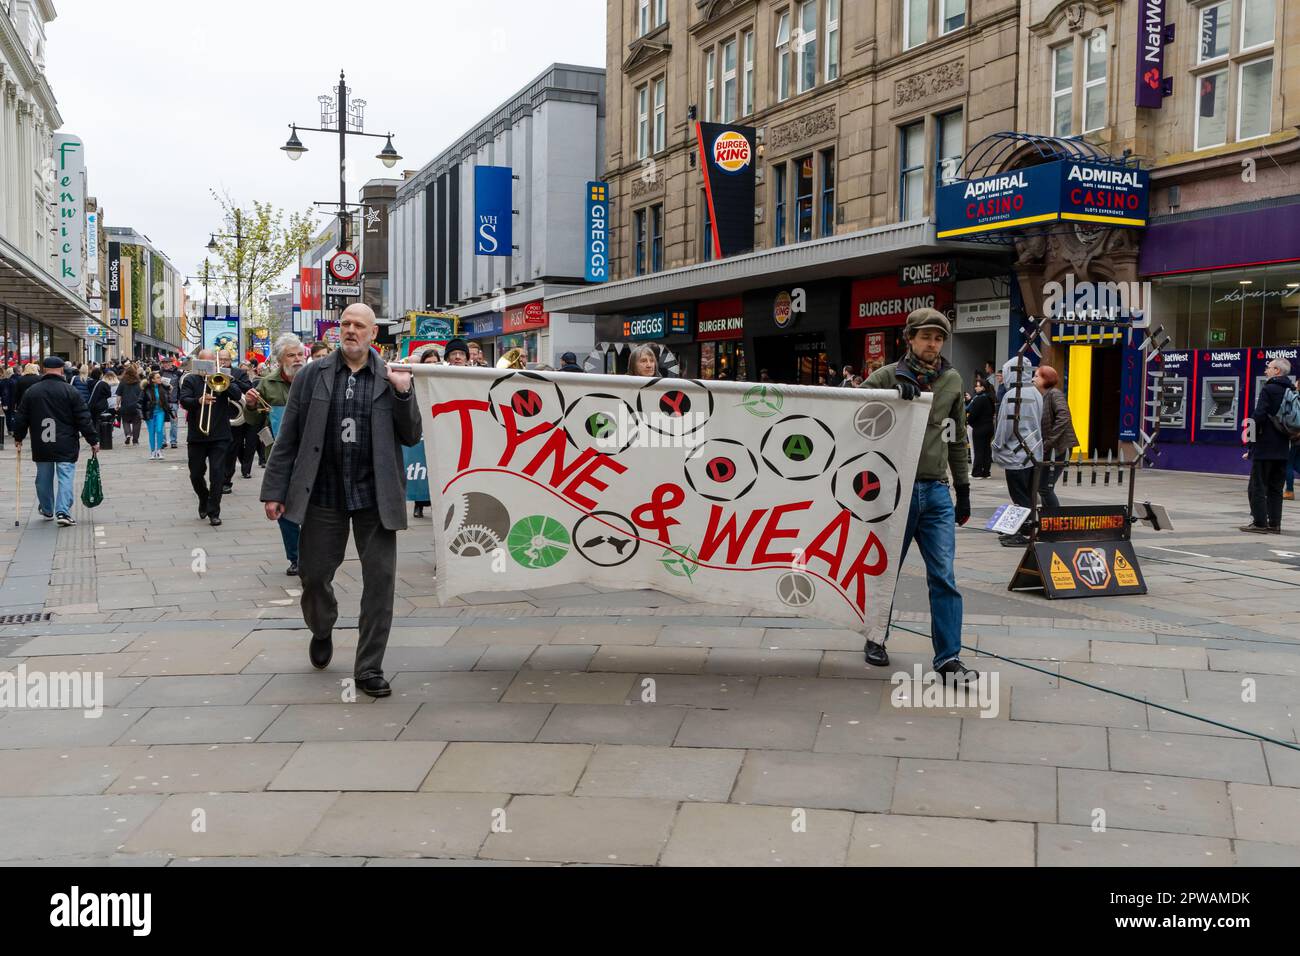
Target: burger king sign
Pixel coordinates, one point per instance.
(727, 161)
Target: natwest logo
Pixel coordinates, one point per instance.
(731, 152)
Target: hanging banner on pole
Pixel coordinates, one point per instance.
(784, 498)
(492, 211)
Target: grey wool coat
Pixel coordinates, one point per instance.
(296, 454)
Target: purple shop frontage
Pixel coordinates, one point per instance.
(1226, 288)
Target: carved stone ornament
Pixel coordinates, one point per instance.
(804, 127)
(1074, 16)
(932, 82)
(647, 183)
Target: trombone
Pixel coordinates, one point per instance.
(213, 385)
(262, 406)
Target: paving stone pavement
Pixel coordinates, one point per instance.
(578, 725)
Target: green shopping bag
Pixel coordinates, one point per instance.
(92, 491)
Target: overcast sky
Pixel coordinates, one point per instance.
(174, 98)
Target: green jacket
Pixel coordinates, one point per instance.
(938, 455)
(274, 390)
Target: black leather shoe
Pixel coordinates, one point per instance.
(958, 673)
(876, 654)
(214, 520)
(1013, 540)
(249, 475)
(321, 653)
(292, 570)
(203, 511)
(375, 687)
(227, 489)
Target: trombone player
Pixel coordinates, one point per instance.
(207, 400)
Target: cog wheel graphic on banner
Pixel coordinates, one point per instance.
(477, 508)
(538, 541)
(604, 423)
(721, 469)
(874, 420)
(762, 401)
(798, 448)
(602, 545)
(680, 565)
(795, 589)
(675, 407)
(531, 397)
(474, 541)
(867, 486)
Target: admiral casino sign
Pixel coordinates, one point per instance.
(1066, 190)
(727, 159)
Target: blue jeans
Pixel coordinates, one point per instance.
(290, 532)
(932, 521)
(1292, 466)
(156, 422)
(174, 424)
(46, 471)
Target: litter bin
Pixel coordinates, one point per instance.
(106, 434)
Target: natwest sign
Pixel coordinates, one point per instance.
(1150, 84)
(883, 302)
(522, 318)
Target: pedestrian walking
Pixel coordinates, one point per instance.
(129, 394)
(156, 410)
(932, 518)
(1057, 429)
(243, 438)
(430, 358)
(31, 375)
(569, 363)
(55, 414)
(273, 388)
(456, 352)
(8, 383)
(337, 464)
(172, 374)
(1019, 413)
(980, 418)
(207, 452)
(1269, 453)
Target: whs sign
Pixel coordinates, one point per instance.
(761, 496)
(493, 216)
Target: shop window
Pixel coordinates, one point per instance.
(656, 237)
(661, 114)
(911, 174)
(1233, 75)
(828, 191)
(639, 240)
(778, 204)
(803, 198)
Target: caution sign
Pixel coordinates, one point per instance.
(1076, 571)
(1062, 580)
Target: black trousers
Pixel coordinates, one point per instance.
(320, 552)
(982, 453)
(207, 472)
(131, 425)
(1265, 490)
(243, 446)
(1047, 487)
(1020, 481)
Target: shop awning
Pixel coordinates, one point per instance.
(29, 289)
(853, 255)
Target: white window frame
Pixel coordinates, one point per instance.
(661, 12)
(944, 19)
(1092, 84)
(1200, 18)
(784, 57)
(747, 84)
(832, 40)
(1241, 30)
(910, 42)
(1067, 93)
(1226, 72)
(710, 81)
(643, 121)
(1241, 67)
(905, 172)
(660, 114)
(807, 43)
(729, 76)
(644, 25)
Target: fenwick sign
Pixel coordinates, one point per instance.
(1150, 84)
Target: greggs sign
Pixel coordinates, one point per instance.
(727, 160)
(1061, 191)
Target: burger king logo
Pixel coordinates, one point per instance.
(731, 152)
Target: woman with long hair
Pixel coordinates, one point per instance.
(128, 395)
(979, 416)
(1058, 431)
(155, 407)
(643, 362)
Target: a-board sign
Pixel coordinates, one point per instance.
(1081, 551)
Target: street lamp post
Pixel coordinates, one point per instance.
(238, 236)
(346, 118)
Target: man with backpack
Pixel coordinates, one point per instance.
(1276, 421)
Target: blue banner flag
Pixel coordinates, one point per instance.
(492, 211)
(417, 473)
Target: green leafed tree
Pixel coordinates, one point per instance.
(269, 245)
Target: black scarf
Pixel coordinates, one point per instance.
(926, 375)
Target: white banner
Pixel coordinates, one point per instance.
(769, 497)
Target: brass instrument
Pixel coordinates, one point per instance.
(213, 385)
(514, 358)
(262, 406)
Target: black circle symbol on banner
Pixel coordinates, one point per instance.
(603, 545)
(867, 486)
(530, 397)
(675, 403)
(721, 469)
(795, 589)
(798, 448)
